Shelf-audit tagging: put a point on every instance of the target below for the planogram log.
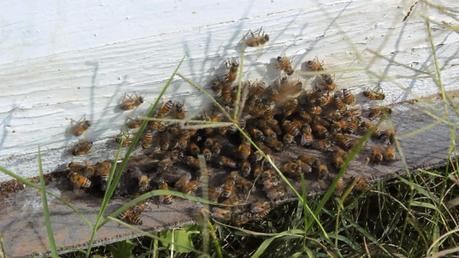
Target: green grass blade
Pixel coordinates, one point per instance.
(44, 200)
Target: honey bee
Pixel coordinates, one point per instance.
(361, 184)
(85, 169)
(80, 127)
(348, 97)
(256, 89)
(82, 148)
(260, 209)
(132, 215)
(143, 183)
(314, 110)
(379, 111)
(338, 102)
(376, 155)
(103, 169)
(78, 180)
(164, 141)
(307, 158)
(314, 65)
(373, 95)
(366, 126)
(246, 168)
(240, 182)
(190, 187)
(321, 145)
(207, 153)
(232, 71)
(389, 153)
(214, 193)
(284, 64)
(275, 144)
(319, 130)
(147, 140)
(386, 135)
(192, 162)
(133, 123)
(327, 83)
(131, 101)
(288, 89)
(165, 164)
(241, 218)
(194, 149)
(339, 186)
(165, 109)
(157, 126)
(305, 167)
(325, 100)
(255, 39)
(226, 95)
(220, 213)
(227, 162)
(345, 141)
(228, 187)
(320, 169)
(276, 193)
(257, 134)
(179, 111)
(292, 127)
(337, 158)
(167, 198)
(124, 138)
(244, 150)
(291, 169)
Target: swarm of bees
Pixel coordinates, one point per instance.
(277, 117)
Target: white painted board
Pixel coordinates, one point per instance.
(62, 60)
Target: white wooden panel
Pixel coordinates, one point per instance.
(55, 77)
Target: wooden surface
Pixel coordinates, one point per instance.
(69, 60)
(424, 143)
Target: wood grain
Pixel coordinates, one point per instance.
(424, 143)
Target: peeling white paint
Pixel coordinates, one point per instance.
(65, 60)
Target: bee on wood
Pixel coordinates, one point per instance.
(167, 198)
(365, 127)
(85, 169)
(194, 149)
(229, 186)
(348, 97)
(307, 158)
(124, 138)
(244, 150)
(314, 65)
(325, 100)
(339, 103)
(274, 144)
(103, 169)
(288, 89)
(285, 64)
(157, 126)
(246, 168)
(337, 158)
(339, 186)
(192, 162)
(256, 89)
(327, 83)
(320, 169)
(165, 109)
(80, 127)
(240, 182)
(132, 215)
(131, 101)
(81, 148)
(227, 162)
(260, 209)
(306, 135)
(314, 110)
(345, 141)
(292, 169)
(179, 110)
(389, 153)
(386, 135)
(292, 128)
(78, 180)
(190, 187)
(361, 184)
(379, 111)
(321, 145)
(221, 213)
(376, 155)
(143, 183)
(257, 134)
(232, 71)
(133, 123)
(147, 140)
(373, 95)
(256, 39)
(319, 130)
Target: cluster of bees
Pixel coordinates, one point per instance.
(276, 117)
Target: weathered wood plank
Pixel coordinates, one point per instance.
(41, 95)
(20, 213)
